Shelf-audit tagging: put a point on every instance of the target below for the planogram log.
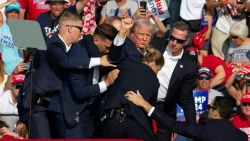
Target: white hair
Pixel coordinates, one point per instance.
(239, 29)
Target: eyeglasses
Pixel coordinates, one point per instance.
(79, 27)
(18, 86)
(246, 104)
(204, 77)
(234, 37)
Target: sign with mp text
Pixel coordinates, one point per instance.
(158, 8)
(201, 102)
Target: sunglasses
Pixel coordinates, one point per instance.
(234, 37)
(18, 86)
(204, 77)
(179, 41)
(246, 104)
(79, 27)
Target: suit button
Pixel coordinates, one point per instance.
(77, 113)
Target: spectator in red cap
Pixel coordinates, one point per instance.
(8, 102)
(236, 85)
(219, 70)
(242, 120)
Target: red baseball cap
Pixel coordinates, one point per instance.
(245, 97)
(17, 78)
(199, 39)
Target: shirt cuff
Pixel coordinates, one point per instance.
(102, 86)
(118, 41)
(151, 111)
(94, 61)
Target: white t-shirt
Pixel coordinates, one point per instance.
(191, 9)
(110, 8)
(8, 110)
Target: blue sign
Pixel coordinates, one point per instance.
(201, 102)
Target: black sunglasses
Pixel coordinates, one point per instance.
(246, 104)
(234, 37)
(79, 27)
(18, 86)
(179, 41)
(204, 77)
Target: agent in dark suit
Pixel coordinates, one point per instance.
(125, 120)
(82, 86)
(214, 128)
(177, 75)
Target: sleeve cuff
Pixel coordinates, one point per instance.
(94, 61)
(102, 86)
(151, 111)
(119, 41)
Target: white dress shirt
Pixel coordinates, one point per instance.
(164, 75)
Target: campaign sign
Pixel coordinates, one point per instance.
(201, 102)
(158, 8)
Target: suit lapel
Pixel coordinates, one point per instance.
(177, 71)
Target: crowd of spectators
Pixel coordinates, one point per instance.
(118, 69)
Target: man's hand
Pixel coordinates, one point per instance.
(135, 98)
(111, 77)
(11, 1)
(138, 100)
(126, 26)
(105, 62)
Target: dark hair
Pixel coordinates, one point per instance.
(106, 31)
(153, 55)
(224, 106)
(181, 26)
(3, 124)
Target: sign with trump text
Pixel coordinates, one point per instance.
(158, 8)
(201, 102)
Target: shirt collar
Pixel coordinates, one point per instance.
(67, 47)
(174, 57)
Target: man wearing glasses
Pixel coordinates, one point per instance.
(8, 101)
(176, 79)
(203, 82)
(242, 120)
(176, 76)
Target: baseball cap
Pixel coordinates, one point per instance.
(14, 6)
(245, 97)
(204, 70)
(48, 1)
(17, 78)
(198, 39)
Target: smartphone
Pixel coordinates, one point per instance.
(143, 4)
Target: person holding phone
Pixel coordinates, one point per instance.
(121, 8)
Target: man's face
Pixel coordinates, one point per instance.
(102, 44)
(142, 36)
(76, 29)
(13, 14)
(56, 8)
(15, 89)
(245, 108)
(178, 39)
(203, 82)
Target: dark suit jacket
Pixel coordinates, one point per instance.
(126, 51)
(60, 62)
(181, 83)
(206, 130)
(134, 76)
(78, 89)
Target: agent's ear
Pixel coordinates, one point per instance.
(186, 42)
